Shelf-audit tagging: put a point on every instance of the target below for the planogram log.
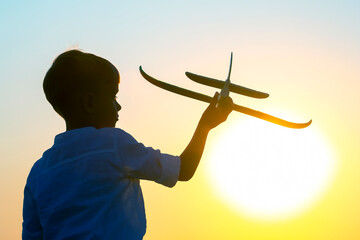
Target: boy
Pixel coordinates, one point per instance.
(86, 186)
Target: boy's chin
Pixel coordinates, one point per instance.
(114, 124)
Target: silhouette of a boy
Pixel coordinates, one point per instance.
(86, 186)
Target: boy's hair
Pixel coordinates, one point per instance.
(73, 72)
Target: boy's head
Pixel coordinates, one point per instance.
(81, 87)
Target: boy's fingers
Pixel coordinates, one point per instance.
(227, 106)
(214, 99)
(226, 102)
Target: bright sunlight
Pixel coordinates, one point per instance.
(269, 172)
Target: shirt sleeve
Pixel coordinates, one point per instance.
(31, 224)
(147, 163)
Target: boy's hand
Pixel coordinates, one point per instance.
(214, 115)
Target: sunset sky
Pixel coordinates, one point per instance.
(305, 54)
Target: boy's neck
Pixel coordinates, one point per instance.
(72, 126)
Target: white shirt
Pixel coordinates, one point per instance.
(86, 186)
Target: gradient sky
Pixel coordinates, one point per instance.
(306, 54)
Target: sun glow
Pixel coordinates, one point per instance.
(269, 172)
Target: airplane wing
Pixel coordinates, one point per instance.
(232, 87)
(205, 98)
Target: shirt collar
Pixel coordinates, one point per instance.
(65, 136)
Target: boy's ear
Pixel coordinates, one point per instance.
(88, 102)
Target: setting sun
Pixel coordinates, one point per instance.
(270, 172)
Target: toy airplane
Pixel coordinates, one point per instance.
(226, 87)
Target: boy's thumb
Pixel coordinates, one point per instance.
(214, 99)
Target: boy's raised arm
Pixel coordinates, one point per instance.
(211, 118)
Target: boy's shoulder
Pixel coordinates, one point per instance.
(79, 141)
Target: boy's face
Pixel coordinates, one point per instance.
(106, 107)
